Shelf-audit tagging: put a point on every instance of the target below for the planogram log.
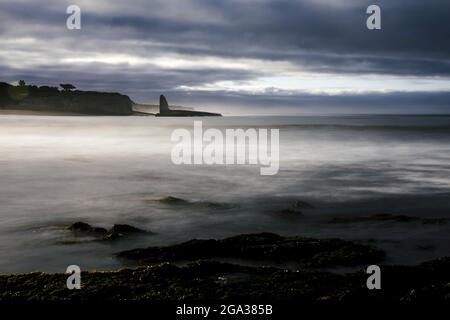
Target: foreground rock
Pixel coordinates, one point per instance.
(299, 204)
(295, 210)
(214, 281)
(391, 218)
(172, 200)
(169, 200)
(123, 230)
(263, 247)
(289, 212)
(82, 229)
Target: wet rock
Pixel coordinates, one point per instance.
(388, 217)
(294, 209)
(375, 217)
(428, 282)
(122, 230)
(214, 205)
(118, 231)
(199, 204)
(125, 229)
(85, 229)
(302, 205)
(289, 212)
(430, 294)
(425, 247)
(263, 247)
(438, 221)
(172, 200)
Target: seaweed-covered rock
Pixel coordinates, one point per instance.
(289, 212)
(84, 229)
(263, 247)
(214, 281)
(122, 230)
(118, 231)
(438, 221)
(388, 217)
(299, 204)
(172, 200)
(169, 200)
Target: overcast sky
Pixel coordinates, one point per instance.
(295, 56)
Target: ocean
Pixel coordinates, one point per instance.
(56, 170)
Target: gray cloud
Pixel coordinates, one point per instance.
(388, 103)
(321, 36)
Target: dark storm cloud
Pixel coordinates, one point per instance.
(319, 36)
(322, 35)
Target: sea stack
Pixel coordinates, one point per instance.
(165, 111)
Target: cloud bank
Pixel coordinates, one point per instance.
(299, 55)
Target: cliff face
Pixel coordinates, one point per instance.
(51, 99)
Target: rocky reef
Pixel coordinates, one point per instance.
(118, 231)
(174, 201)
(193, 271)
(388, 217)
(215, 281)
(263, 247)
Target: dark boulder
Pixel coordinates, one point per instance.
(388, 217)
(302, 205)
(172, 200)
(118, 231)
(263, 247)
(209, 281)
(169, 200)
(122, 230)
(289, 212)
(85, 229)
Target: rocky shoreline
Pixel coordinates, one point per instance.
(263, 248)
(195, 270)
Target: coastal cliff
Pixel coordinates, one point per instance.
(29, 97)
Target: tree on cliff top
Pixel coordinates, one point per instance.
(67, 87)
